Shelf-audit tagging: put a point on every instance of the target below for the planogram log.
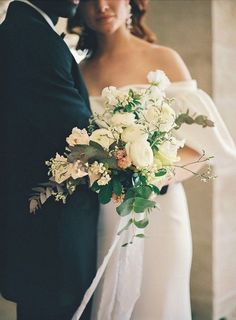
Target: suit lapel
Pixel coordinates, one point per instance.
(79, 83)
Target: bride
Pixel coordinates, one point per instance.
(148, 280)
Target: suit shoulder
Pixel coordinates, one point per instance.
(47, 46)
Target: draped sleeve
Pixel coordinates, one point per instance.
(215, 141)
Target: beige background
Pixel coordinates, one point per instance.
(204, 33)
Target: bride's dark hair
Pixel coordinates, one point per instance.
(88, 37)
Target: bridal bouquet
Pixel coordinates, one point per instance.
(126, 154)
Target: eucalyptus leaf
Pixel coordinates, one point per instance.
(43, 198)
(155, 189)
(161, 172)
(125, 207)
(39, 189)
(140, 235)
(117, 186)
(105, 193)
(130, 193)
(141, 204)
(125, 244)
(141, 223)
(95, 186)
(144, 191)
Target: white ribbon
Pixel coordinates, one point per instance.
(122, 296)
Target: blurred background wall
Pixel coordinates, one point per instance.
(204, 33)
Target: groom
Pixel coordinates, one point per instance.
(48, 260)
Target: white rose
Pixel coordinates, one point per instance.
(152, 116)
(140, 153)
(159, 79)
(109, 94)
(134, 132)
(103, 137)
(167, 152)
(78, 137)
(122, 119)
(167, 117)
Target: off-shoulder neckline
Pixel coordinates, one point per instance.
(177, 84)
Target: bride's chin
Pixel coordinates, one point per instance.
(108, 30)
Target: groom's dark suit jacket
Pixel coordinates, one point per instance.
(50, 256)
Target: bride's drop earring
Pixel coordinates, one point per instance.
(129, 18)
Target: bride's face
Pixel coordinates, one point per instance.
(104, 16)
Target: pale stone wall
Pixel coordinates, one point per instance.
(204, 34)
(224, 89)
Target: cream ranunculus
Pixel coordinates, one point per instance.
(167, 117)
(103, 137)
(140, 153)
(122, 119)
(167, 152)
(78, 136)
(159, 79)
(133, 133)
(152, 117)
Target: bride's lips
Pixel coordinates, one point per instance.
(106, 18)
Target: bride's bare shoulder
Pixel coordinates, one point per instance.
(170, 61)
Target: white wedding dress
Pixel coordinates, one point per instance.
(149, 280)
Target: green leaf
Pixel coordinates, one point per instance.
(130, 193)
(39, 189)
(96, 145)
(117, 186)
(209, 123)
(110, 162)
(140, 204)
(125, 207)
(144, 191)
(91, 152)
(105, 193)
(126, 227)
(161, 172)
(125, 244)
(140, 235)
(141, 223)
(155, 189)
(95, 186)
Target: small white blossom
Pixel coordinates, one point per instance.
(109, 94)
(104, 180)
(159, 79)
(97, 168)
